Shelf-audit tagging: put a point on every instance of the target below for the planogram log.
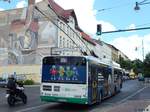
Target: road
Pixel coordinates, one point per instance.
(131, 91)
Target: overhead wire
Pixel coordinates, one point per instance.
(37, 8)
(143, 24)
(113, 7)
(143, 2)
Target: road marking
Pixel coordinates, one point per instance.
(130, 96)
(44, 105)
(107, 103)
(147, 109)
(35, 107)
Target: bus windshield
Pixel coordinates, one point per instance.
(64, 70)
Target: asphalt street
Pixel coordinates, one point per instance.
(132, 90)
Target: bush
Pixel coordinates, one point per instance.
(28, 82)
(147, 75)
(20, 82)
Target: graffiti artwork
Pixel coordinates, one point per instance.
(63, 73)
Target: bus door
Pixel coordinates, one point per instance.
(107, 81)
(94, 84)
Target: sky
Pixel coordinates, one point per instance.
(113, 15)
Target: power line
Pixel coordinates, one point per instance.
(60, 28)
(113, 7)
(142, 24)
(70, 28)
(143, 2)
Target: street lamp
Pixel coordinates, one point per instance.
(137, 4)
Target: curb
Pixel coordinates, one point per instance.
(32, 85)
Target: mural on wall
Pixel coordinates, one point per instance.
(26, 30)
(47, 34)
(33, 31)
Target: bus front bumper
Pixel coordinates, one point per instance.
(63, 99)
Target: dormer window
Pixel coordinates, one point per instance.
(71, 19)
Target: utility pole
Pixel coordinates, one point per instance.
(143, 49)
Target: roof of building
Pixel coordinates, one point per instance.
(62, 13)
(88, 38)
(113, 47)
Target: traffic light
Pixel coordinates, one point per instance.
(99, 29)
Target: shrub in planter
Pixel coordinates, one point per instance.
(20, 82)
(28, 82)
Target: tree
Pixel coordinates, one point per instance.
(147, 65)
(126, 64)
(137, 66)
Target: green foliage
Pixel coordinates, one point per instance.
(126, 64)
(147, 65)
(137, 66)
(28, 82)
(20, 82)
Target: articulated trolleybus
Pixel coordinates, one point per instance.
(78, 79)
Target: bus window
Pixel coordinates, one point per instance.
(92, 73)
(100, 78)
(64, 70)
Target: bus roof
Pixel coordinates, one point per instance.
(96, 60)
(110, 63)
(87, 57)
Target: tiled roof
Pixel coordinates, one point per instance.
(88, 38)
(113, 47)
(59, 10)
(67, 13)
(64, 14)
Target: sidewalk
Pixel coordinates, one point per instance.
(35, 85)
(132, 106)
(140, 102)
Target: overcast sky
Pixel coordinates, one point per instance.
(113, 15)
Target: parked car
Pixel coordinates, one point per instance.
(3, 82)
(141, 77)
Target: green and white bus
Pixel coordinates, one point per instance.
(78, 79)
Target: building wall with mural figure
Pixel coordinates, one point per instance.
(27, 33)
(26, 30)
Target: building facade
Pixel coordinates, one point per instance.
(39, 30)
(42, 29)
(114, 53)
(45, 28)
(122, 55)
(103, 51)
